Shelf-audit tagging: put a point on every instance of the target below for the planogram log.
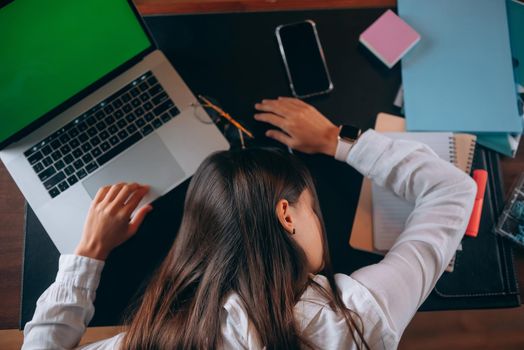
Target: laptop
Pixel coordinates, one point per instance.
(87, 100)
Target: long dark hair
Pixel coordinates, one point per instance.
(230, 240)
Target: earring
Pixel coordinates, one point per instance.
(293, 231)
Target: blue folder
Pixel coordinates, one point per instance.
(460, 75)
(516, 35)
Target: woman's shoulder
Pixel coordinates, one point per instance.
(352, 292)
(237, 330)
(317, 319)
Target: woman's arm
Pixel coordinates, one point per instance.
(443, 197)
(65, 309)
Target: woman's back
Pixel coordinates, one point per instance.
(316, 320)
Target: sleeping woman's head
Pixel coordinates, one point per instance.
(257, 207)
(252, 225)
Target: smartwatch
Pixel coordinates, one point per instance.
(347, 137)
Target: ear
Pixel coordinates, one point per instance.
(284, 215)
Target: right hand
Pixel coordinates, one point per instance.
(302, 127)
(109, 222)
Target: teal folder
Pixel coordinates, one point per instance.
(516, 34)
(460, 75)
(504, 143)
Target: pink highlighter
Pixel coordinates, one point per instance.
(481, 178)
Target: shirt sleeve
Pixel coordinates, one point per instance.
(443, 197)
(66, 307)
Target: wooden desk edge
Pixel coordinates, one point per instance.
(148, 7)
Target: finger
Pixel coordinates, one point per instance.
(113, 191)
(124, 194)
(281, 108)
(101, 193)
(280, 137)
(293, 101)
(298, 102)
(139, 218)
(272, 119)
(135, 199)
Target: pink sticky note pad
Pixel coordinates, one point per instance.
(389, 38)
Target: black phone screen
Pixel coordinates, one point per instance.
(304, 59)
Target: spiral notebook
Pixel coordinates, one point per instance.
(361, 236)
(390, 212)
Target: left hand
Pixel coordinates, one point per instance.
(109, 222)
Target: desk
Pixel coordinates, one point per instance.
(11, 229)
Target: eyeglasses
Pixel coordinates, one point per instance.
(233, 131)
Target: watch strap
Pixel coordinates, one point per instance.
(343, 148)
(347, 137)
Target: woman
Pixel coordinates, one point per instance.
(242, 272)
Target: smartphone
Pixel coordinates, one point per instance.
(303, 59)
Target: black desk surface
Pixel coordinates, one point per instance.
(235, 59)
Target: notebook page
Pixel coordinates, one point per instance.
(361, 235)
(391, 212)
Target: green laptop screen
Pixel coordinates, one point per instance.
(50, 50)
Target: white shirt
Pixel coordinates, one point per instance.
(386, 295)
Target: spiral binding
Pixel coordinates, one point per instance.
(452, 151)
(471, 154)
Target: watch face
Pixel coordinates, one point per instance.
(349, 132)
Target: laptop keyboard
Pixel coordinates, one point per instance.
(97, 136)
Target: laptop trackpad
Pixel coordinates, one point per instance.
(148, 162)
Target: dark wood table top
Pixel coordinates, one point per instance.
(12, 201)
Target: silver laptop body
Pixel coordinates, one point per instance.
(163, 158)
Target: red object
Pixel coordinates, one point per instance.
(481, 178)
